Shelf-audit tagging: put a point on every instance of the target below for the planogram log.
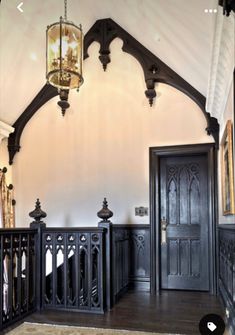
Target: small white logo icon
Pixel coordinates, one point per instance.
(211, 326)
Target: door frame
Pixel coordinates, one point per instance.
(155, 154)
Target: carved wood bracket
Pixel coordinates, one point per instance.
(155, 71)
(228, 6)
(46, 93)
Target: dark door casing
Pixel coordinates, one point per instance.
(184, 222)
(183, 197)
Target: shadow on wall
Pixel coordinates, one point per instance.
(129, 220)
(68, 222)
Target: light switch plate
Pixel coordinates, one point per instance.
(141, 211)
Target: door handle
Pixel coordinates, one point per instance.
(163, 230)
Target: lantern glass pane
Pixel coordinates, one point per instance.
(64, 56)
(53, 48)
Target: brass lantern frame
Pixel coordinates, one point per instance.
(61, 70)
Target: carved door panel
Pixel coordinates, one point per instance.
(184, 223)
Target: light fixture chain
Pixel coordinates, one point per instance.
(65, 9)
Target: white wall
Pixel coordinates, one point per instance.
(100, 148)
(220, 95)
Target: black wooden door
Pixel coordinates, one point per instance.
(184, 222)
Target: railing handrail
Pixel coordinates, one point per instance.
(74, 229)
(52, 229)
(17, 230)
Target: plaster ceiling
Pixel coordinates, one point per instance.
(179, 32)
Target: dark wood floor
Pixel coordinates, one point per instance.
(170, 312)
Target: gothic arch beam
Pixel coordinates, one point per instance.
(155, 71)
(44, 95)
(104, 32)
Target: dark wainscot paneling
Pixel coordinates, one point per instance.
(227, 270)
(130, 258)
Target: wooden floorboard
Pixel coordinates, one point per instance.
(174, 312)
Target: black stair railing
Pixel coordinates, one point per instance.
(55, 268)
(72, 269)
(17, 274)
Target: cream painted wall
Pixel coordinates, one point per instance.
(227, 115)
(101, 147)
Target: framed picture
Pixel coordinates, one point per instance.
(228, 201)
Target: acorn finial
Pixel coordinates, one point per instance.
(37, 213)
(105, 213)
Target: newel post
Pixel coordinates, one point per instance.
(105, 214)
(37, 214)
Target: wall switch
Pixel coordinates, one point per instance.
(141, 211)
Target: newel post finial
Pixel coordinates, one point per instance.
(37, 213)
(105, 213)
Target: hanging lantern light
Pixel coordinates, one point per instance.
(64, 57)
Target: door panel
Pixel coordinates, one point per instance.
(184, 211)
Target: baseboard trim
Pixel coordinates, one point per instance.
(139, 285)
(119, 294)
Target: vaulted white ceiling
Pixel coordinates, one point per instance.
(179, 32)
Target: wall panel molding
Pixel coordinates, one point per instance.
(130, 258)
(5, 130)
(222, 65)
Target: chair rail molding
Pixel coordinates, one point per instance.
(222, 65)
(5, 130)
